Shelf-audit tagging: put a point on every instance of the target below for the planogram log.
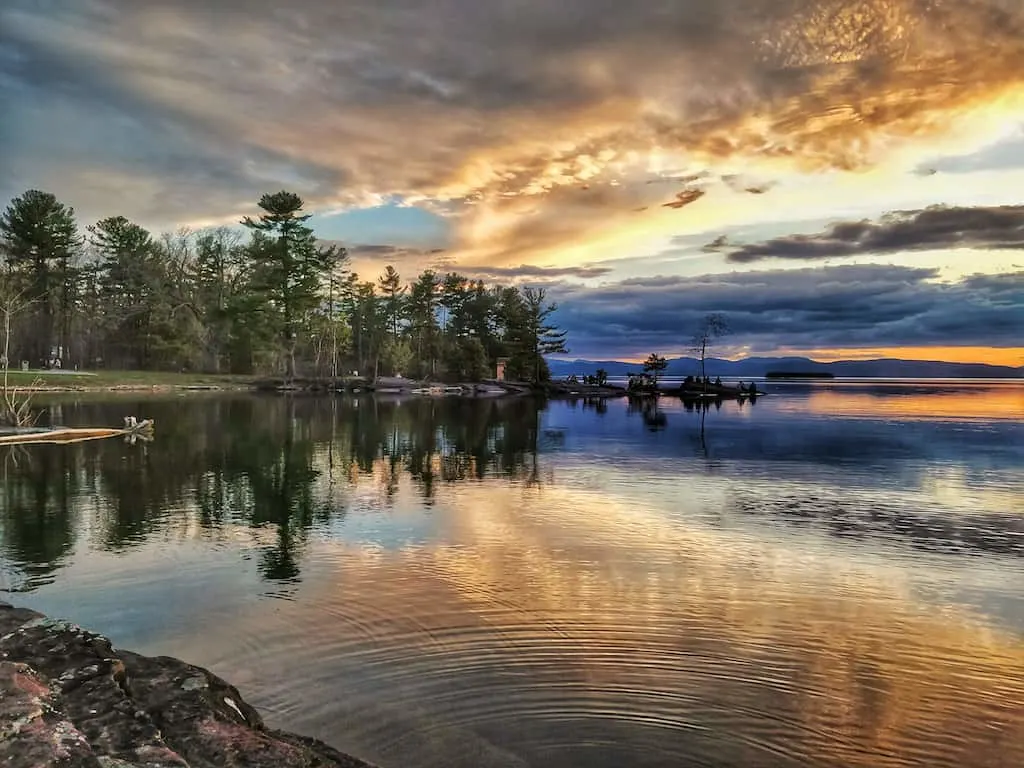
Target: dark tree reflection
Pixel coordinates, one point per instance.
(279, 466)
(36, 519)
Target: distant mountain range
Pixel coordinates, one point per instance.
(759, 366)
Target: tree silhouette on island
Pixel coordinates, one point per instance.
(711, 328)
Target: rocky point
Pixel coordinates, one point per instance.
(69, 699)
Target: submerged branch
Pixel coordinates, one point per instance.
(16, 404)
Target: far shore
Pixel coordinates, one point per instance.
(138, 382)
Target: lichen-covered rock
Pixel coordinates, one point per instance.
(33, 731)
(67, 698)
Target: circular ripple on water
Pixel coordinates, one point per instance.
(530, 654)
(501, 681)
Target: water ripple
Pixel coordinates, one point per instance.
(785, 589)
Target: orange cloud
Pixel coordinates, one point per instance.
(490, 106)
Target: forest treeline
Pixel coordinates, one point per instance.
(275, 301)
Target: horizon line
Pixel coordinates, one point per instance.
(639, 361)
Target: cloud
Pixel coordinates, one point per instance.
(368, 260)
(186, 111)
(685, 198)
(935, 228)
(737, 183)
(525, 271)
(1006, 153)
(849, 307)
(388, 252)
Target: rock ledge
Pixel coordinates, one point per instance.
(70, 700)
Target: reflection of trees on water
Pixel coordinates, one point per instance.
(281, 466)
(37, 521)
(653, 417)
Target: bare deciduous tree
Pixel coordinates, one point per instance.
(711, 328)
(15, 405)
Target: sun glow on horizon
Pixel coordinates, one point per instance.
(1002, 356)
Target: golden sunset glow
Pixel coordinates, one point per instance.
(1011, 356)
(999, 403)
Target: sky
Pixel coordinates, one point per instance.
(840, 178)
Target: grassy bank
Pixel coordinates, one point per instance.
(102, 381)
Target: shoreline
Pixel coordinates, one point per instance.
(68, 697)
(383, 386)
(152, 383)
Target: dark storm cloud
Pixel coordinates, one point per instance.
(930, 229)
(852, 306)
(459, 98)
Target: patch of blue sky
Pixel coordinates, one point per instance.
(389, 224)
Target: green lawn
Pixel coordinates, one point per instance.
(106, 379)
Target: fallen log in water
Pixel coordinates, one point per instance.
(63, 435)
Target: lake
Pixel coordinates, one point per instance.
(831, 576)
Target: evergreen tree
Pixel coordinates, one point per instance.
(369, 324)
(655, 364)
(543, 337)
(393, 291)
(422, 312)
(39, 237)
(331, 331)
(480, 316)
(453, 302)
(128, 281)
(288, 266)
(514, 333)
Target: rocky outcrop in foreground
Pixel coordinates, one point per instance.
(68, 699)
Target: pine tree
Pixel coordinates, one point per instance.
(332, 329)
(367, 320)
(39, 237)
(422, 307)
(128, 283)
(453, 302)
(216, 275)
(655, 364)
(287, 266)
(393, 291)
(544, 338)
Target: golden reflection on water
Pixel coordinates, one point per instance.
(564, 616)
(957, 402)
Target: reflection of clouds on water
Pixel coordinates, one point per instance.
(460, 583)
(570, 612)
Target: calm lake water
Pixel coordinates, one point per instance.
(832, 576)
